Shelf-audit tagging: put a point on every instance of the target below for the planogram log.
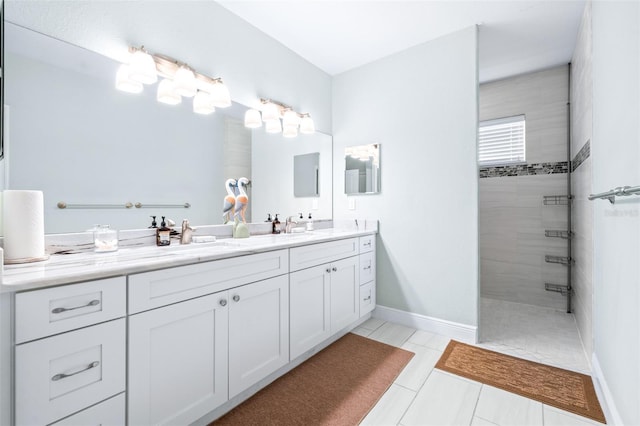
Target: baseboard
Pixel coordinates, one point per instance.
(462, 332)
(604, 393)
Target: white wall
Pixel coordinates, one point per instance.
(421, 106)
(616, 232)
(202, 33)
(582, 208)
(513, 218)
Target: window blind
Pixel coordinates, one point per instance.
(502, 141)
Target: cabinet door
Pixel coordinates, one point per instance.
(309, 312)
(178, 361)
(345, 303)
(258, 332)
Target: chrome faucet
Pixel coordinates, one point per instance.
(187, 232)
(289, 224)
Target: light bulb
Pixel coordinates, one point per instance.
(202, 103)
(220, 95)
(273, 126)
(185, 82)
(291, 119)
(270, 112)
(142, 68)
(252, 119)
(166, 93)
(306, 125)
(124, 83)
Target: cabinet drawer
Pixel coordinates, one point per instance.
(54, 310)
(367, 243)
(316, 254)
(159, 288)
(108, 413)
(367, 298)
(63, 374)
(367, 267)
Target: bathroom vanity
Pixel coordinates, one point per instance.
(175, 335)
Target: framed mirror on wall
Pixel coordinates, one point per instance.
(362, 169)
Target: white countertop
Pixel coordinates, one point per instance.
(64, 269)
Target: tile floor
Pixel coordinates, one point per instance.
(422, 395)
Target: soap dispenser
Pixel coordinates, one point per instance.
(276, 225)
(163, 234)
(310, 223)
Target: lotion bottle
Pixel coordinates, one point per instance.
(276, 225)
(163, 234)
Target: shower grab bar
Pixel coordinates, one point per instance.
(616, 192)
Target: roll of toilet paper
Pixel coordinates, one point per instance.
(23, 217)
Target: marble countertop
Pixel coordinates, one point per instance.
(69, 268)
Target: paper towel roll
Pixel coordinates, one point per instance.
(23, 219)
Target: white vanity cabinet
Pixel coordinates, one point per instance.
(367, 293)
(61, 368)
(192, 355)
(324, 296)
(178, 361)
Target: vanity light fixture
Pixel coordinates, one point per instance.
(179, 80)
(273, 112)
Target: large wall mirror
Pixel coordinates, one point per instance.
(362, 169)
(72, 135)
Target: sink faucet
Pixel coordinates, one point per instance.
(289, 224)
(187, 232)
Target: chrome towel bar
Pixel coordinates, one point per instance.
(63, 205)
(616, 192)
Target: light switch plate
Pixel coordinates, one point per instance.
(352, 203)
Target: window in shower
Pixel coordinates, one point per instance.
(502, 141)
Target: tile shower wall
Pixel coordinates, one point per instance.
(512, 216)
(582, 209)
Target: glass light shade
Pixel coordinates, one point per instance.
(252, 119)
(142, 68)
(290, 132)
(185, 82)
(167, 94)
(291, 119)
(124, 83)
(220, 95)
(270, 112)
(202, 103)
(306, 125)
(273, 126)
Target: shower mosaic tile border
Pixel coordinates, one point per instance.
(581, 156)
(524, 169)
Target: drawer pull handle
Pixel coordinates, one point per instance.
(236, 298)
(367, 298)
(223, 302)
(334, 269)
(367, 244)
(367, 267)
(94, 302)
(61, 376)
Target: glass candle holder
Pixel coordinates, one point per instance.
(105, 239)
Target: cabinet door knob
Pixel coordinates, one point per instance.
(223, 302)
(328, 270)
(236, 298)
(334, 269)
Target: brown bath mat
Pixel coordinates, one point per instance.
(338, 386)
(553, 386)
